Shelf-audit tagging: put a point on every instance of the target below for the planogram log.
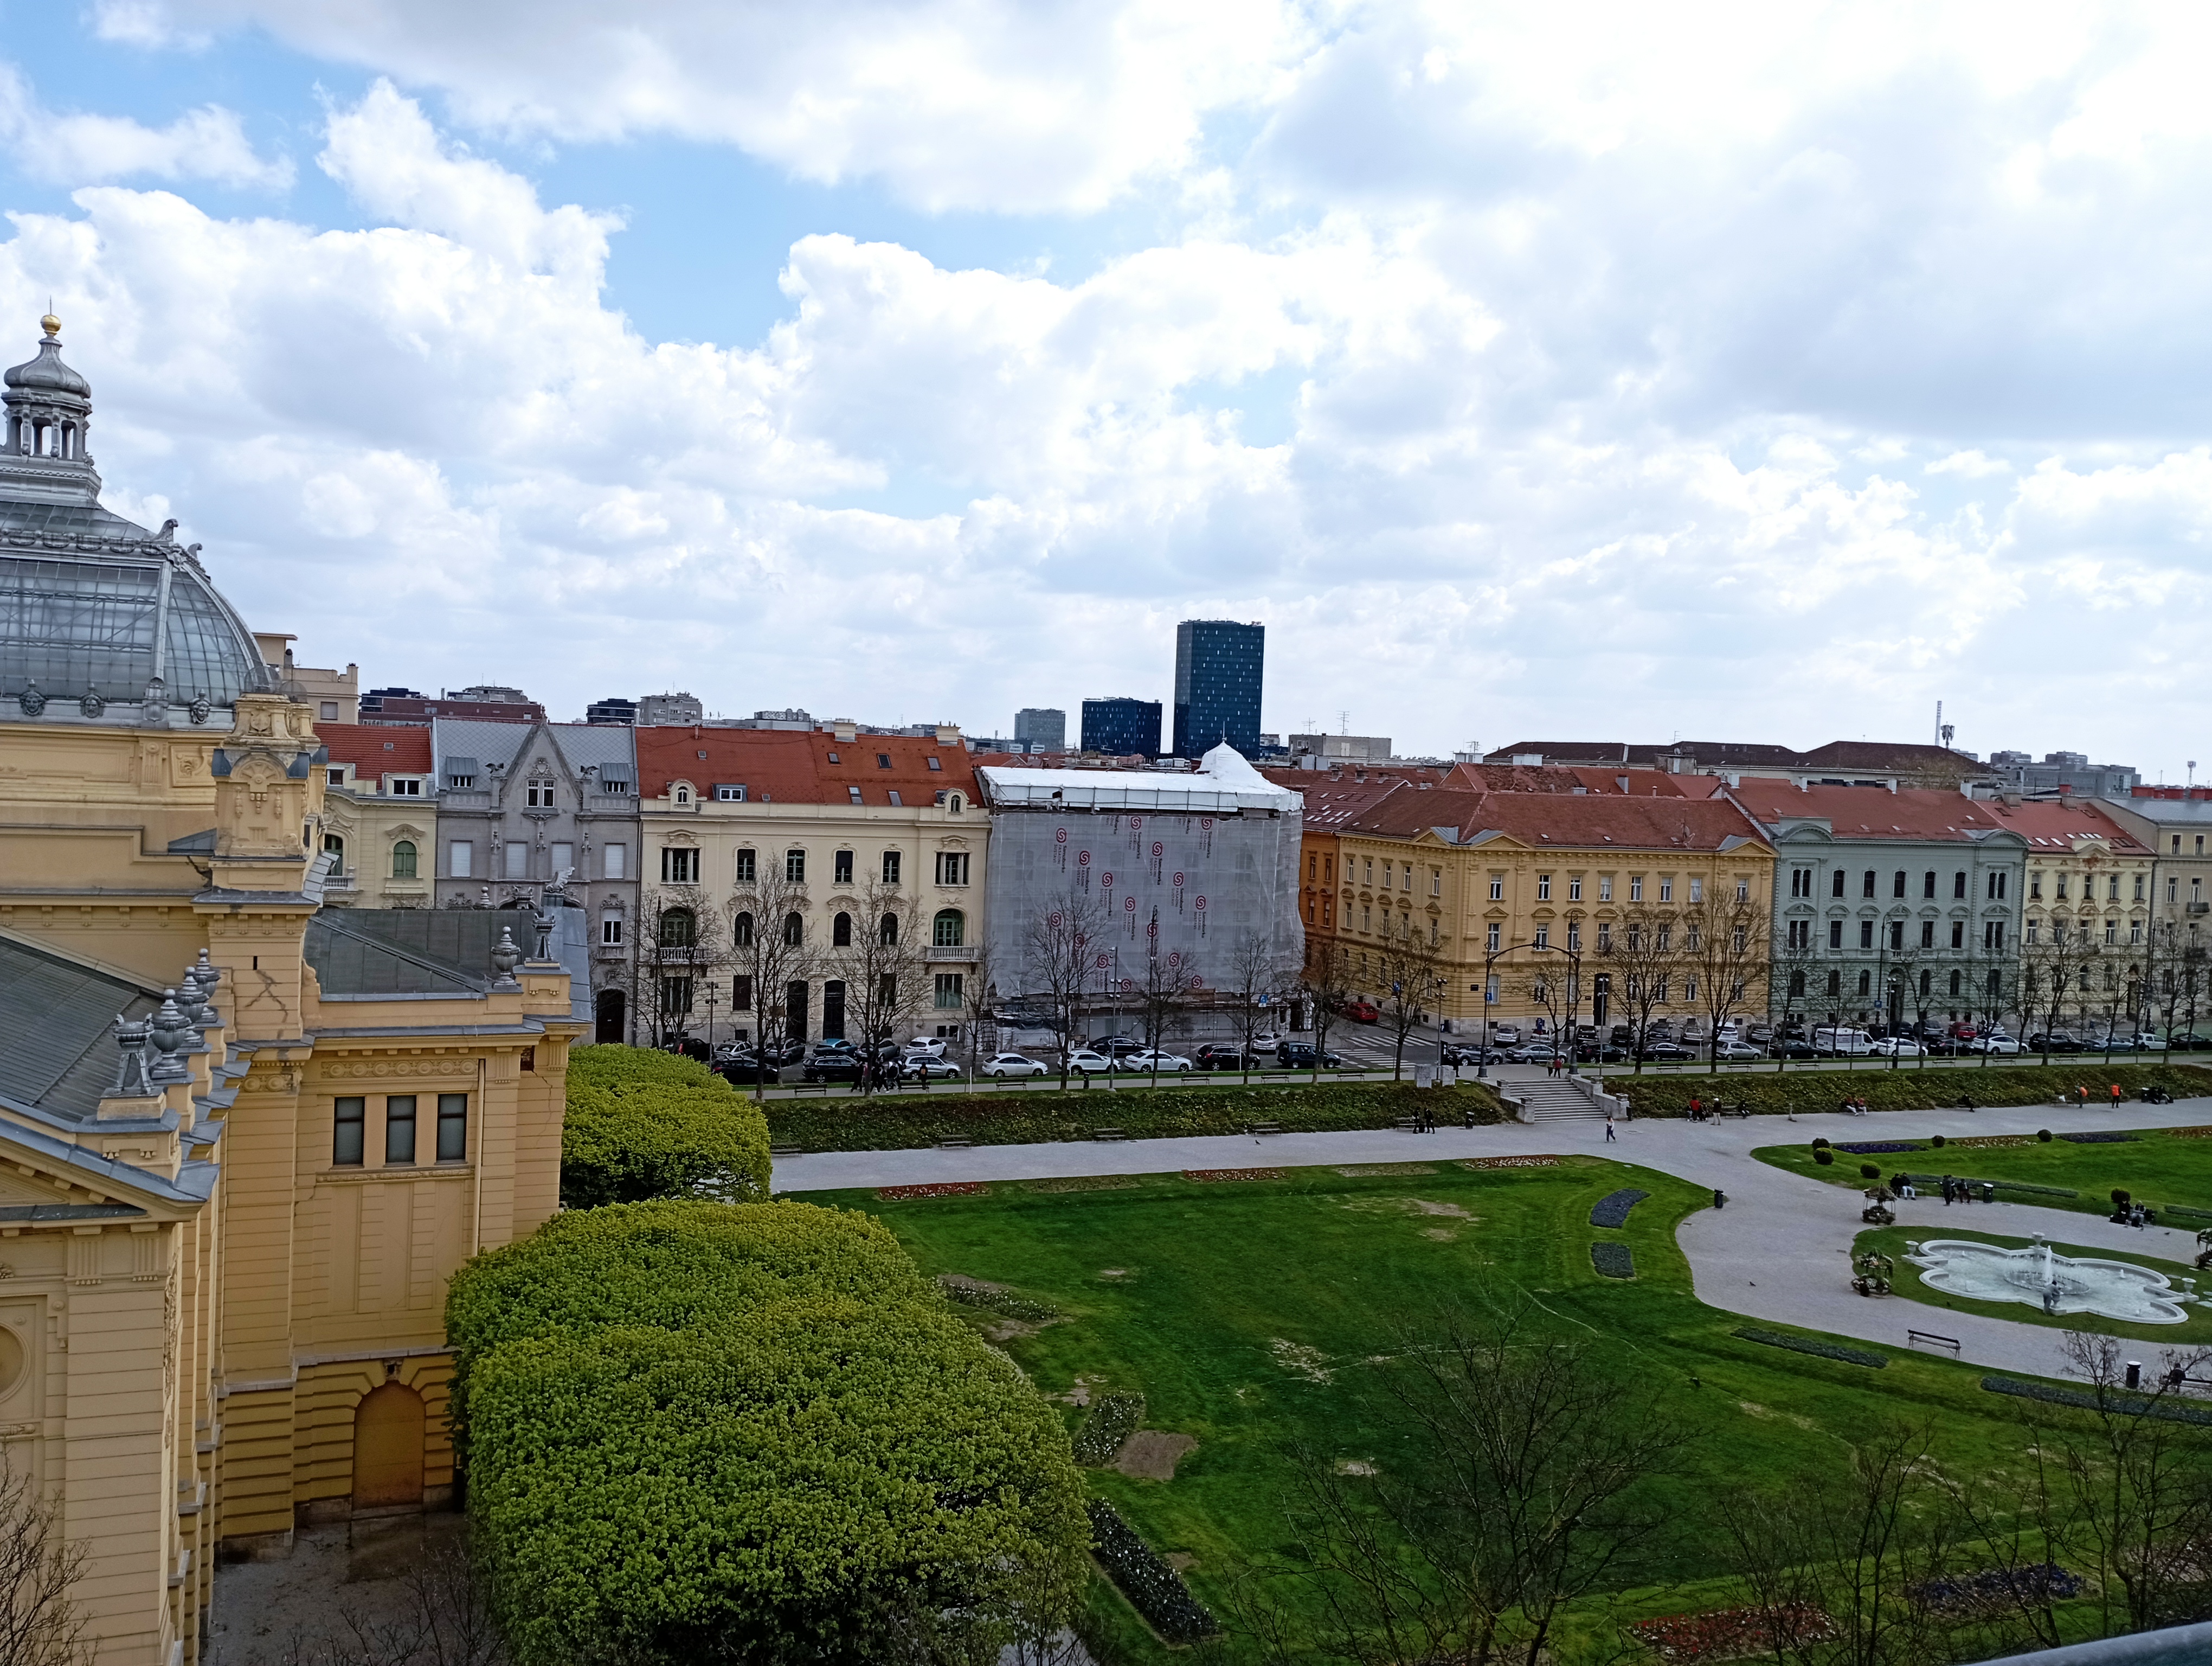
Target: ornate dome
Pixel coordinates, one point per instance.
(96, 612)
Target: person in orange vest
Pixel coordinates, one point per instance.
(2116, 1095)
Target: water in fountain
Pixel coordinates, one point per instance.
(2034, 1274)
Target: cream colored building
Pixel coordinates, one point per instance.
(380, 816)
(333, 695)
(226, 1218)
(832, 810)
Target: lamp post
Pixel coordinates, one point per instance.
(1482, 1041)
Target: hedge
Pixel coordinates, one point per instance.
(2126, 1404)
(891, 1121)
(1907, 1088)
(697, 1431)
(1776, 1338)
(642, 1125)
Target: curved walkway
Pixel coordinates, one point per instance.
(1778, 1251)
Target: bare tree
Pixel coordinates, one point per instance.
(682, 944)
(40, 1623)
(1163, 1007)
(1725, 949)
(981, 1001)
(1328, 980)
(771, 950)
(1058, 949)
(1646, 958)
(1256, 984)
(2050, 970)
(1532, 1492)
(882, 963)
(1410, 964)
(1797, 963)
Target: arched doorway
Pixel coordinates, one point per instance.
(387, 1448)
(610, 1014)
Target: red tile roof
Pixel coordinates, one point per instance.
(375, 751)
(2053, 827)
(1562, 819)
(1547, 778)
(1870, 812)
(788, 766)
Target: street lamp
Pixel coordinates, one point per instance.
(1482, 1040)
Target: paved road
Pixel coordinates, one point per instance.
(1776, 1252)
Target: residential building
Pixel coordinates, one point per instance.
(833, 813)
(484, 704)
(1044, 728)
(1515, 891)
(2176, 830)
(2063, 772)
(2087, 916)
(1119, 725)
(1321, 752)
(525, 809)
(1898, 908)
(1219, 665)
(333, 695)
(380, 816)
(653, 709)
(228, 1213)
(1183, 869)
(1838, 763)
(613, 709)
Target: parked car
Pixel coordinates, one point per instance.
(1995, 1044)
(832, 1067)
(1468, 1057)
(928, 1047)
(1219, 1056)
(1665, 1053)
(1593, 1052)
(1013, 1064)
(1362, 1011)
(1299, 1055)
(1148, 1060)
(1508, 1035)
(1793, 1047)
(1899, 1046)
(1084, 1062)
(1539, 1052)
(2055, 1040)
(2189, 1038)
(1733, 1050)
(917, 1068)
(1115, 1046)
(1842, 1041)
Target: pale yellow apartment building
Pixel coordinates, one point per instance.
(244, 1137)
(831, 810)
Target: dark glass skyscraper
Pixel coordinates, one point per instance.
(1217, 687)
(1121, 726)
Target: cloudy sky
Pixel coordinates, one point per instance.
(1748, 373)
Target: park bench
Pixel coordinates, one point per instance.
(955, 1144)
(786, 1150)
(1407, 1125)
(1915, 1338)
(1263, 1127)
(1108, 1133)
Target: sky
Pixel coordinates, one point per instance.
(1539, 371)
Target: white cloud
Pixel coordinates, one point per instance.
(207, 144)
(1970, 464)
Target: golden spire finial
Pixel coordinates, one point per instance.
(49, 323)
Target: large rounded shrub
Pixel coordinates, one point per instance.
(1824, 1157)
(643, 1125)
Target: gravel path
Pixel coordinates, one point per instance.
(1778, 1250)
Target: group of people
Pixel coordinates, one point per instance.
(1853, 1107)
(1962, 1191)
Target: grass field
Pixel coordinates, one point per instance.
(2170, 1169)
(1251, 1315)
(2195, 1332)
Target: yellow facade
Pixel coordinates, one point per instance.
(195, 1297)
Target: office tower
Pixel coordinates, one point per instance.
(1045, 728)
(1217, 687)
(1121, 725)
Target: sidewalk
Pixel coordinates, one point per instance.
(1778, 1252)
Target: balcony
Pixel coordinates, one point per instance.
(956, 954)
(2199, 908)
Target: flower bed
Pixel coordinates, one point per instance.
(1510, 1163)
(1993, 1142)
(2126, 1403)
(2096, 1139)
(1775, 1339)
(1731, 1633)
(1093, 1183)
(1613, 1260)
(1611, 1209)
(1154, 1590)
(1366, 1171)
(937, 1188)
(2001, 1587)
(969, 1293)
(1114, 1418)
(1207, 1177)
(1874, 1147)
(2203, 1131)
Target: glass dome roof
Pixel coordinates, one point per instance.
(95, 610)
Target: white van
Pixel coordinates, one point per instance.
(1842, 1041)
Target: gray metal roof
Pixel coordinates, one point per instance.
(57, 1038)
(471, 739)
(410, 951)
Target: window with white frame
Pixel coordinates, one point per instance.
(1574, 890)
(1496, 887)
(1635, 887)
(1491, 939)
(679, 865)
(951, 867)
(614, 861)
(610, 930)
(1605, 888)
(403, 786)
(1666, 890)
(1543, 887)
(730, 792)
(540, 795)
(1697, 890)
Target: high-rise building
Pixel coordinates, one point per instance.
(657, 709)
(1216, 686)
(1121, 725)
(1044, 726)
(612, 709)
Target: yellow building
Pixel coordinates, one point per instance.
(833, 811)
(227, 1216)
(1509, 886)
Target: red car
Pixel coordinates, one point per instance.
(1362, 1011)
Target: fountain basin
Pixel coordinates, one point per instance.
(2038, 1276)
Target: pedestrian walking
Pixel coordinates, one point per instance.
(1609, 1135)
(2084, 1090)
(2116, 1096)
(1697, 1109)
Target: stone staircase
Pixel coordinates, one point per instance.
(1547, 1101)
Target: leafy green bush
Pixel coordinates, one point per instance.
(1024, 1117)
(695, 1431)
(2128, 1404)
(1869, 1170)
(1937, 1142)
(643, 1125)
(1907, 1088)
(1824, 1157)
(2043, 1136)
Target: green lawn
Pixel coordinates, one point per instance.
(2195, 1332)
(2166, 1169)
(1250, 1314)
